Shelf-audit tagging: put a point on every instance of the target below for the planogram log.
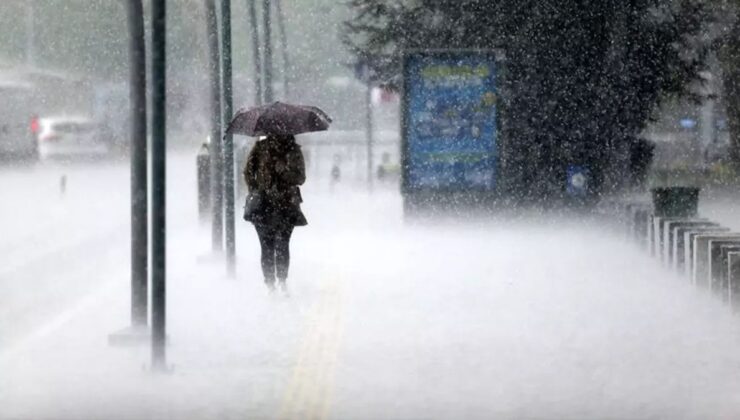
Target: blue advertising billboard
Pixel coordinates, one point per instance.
(450, 125)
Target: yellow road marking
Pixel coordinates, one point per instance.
(309, 393)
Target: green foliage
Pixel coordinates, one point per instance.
(584, 76)
(729, 54)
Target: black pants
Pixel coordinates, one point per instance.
(275, 243)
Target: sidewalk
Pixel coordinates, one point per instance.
(385, 320)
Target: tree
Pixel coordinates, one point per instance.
(584, 76)
(729, 54)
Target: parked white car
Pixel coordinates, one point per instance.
(70, 137)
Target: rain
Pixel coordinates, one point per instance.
(369, 209)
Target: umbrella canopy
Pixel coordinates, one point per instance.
(278, 118)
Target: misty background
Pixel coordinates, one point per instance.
(77, 52)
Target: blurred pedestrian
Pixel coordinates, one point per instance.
(383, 167)
(336, 171)
(274, 171)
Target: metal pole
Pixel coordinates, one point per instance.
(369, 133)
(228, 139)
(159, 141)
(217, 200)
(267, 59)
(283, 46)
(30, 33)
(256, 50)
(139, 186)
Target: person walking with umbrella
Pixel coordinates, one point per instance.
(274, 172)
(275, 169)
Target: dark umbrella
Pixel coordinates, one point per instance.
(278, 118)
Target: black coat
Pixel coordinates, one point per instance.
(275, 169)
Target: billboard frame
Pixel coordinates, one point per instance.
(415, 196)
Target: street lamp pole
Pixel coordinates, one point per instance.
(217, 203)
(139, 160)
(368, 123)
(283, 46)
(267, 58)
(256, 50)
(226, 80)
(159, 141)
(30, 33)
